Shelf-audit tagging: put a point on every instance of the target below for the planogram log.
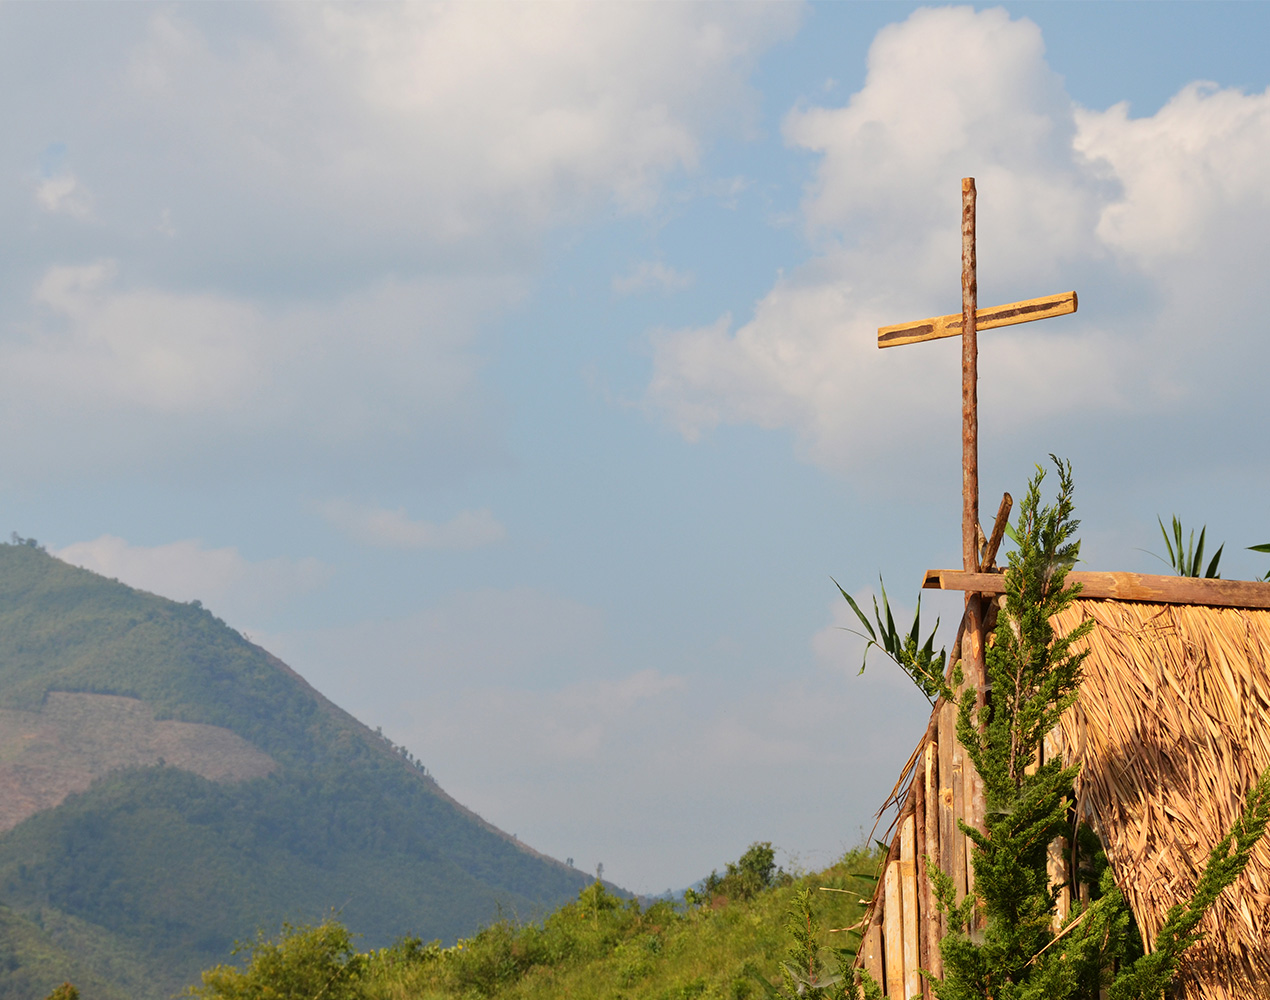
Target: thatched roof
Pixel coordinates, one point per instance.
(1172, 729)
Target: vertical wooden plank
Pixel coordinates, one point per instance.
(908, 905)
(873, 953)
(973, 792)
(1056, 867)
(892, 932)
(919, 849)
(1057, 859)
(933, 960)
(958, 782)
(948, 784)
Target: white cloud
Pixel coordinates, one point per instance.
(393, 529)
(109, 372)
(446, 124)
(63, 194)
(323, 207)
(102, 347)
(1067, 198)
(237, 589)
(652, 274)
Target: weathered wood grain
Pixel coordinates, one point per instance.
(1011, 314)
(1123, 587)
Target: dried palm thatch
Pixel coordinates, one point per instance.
(1172, 729)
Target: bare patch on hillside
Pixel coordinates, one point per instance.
(77, 738)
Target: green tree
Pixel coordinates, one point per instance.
(744, 878)
(302, 963)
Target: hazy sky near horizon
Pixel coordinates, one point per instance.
(511, 370)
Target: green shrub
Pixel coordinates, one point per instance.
(303, 963)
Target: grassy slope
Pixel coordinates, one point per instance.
(598, 948)
(172, 868)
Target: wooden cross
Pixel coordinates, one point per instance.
(967, 324)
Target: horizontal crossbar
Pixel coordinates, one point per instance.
(985, 319)
(1123, 587)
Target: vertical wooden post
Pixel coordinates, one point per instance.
(1056, 862)
(908, 905)
(969, 381)
(873, 963)
(949, 800)
(893, 931)
(932, 960)
(972, 655)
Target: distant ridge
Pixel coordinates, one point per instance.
(167, 787)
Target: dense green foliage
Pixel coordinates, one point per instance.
(743, 879)
(303, 963)
(598, 947)
(154, 872)
(32, 964)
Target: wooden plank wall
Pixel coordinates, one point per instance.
(904, 924)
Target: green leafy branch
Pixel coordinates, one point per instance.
(919, 660)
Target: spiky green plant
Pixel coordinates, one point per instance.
(1261, 548)
(1189, 560)
(917, 659)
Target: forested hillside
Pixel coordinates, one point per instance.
(162, 848)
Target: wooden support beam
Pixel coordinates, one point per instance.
(1123, 587)
(1011, 314)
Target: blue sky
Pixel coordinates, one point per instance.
(510, 370)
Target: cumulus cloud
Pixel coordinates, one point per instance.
(118, 370)
(433, 128)
(393, 529)
(237, 589)
(1162, 214)
(318, 209)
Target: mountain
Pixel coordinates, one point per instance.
(168, 788)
